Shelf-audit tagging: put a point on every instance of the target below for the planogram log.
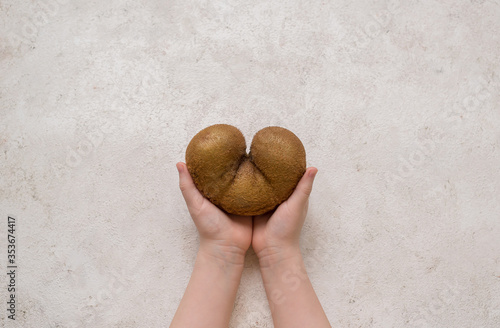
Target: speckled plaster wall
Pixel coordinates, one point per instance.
(396, 102)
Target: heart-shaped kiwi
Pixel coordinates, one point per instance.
(241, 183)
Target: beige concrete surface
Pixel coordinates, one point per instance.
(396, 102)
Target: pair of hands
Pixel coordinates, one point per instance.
(224, 239)
(274, 236)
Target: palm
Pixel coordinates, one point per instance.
(227, 231)
(224, 229)
(222, 232)
(276, 230)
(268, 236)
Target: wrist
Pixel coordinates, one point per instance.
(271, 257)
(283, 275)
(223, 254)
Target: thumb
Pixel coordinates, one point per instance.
(189, 191)
(300, 195)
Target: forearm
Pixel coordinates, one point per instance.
(210, 294)
(291, 296)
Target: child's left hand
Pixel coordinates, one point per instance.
(224, 236)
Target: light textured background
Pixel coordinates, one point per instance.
(397, 104)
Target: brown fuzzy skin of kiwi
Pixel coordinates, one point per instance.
(240, 183)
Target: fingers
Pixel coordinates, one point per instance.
(189, 191)
(301, 193)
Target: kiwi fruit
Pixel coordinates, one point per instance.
(240, 183)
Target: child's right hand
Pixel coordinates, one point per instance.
(276, 234)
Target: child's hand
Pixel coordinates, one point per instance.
(276, 235)
(275, 240)
(224, 236)
(224, 240)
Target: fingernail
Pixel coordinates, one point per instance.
(179, 168)
(312, 173)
